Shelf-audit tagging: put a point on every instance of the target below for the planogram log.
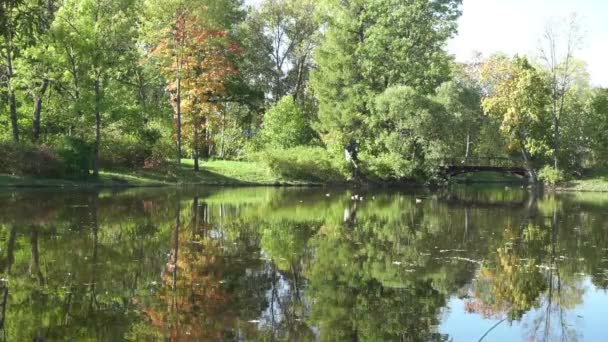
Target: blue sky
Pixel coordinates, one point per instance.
(515, 26)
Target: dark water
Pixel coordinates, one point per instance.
(303, 265)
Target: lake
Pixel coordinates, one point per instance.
(298, 264)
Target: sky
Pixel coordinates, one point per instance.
(516, 26)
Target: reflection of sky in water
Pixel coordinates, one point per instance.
(589, 316)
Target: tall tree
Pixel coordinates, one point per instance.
(35, 67)
(559, 44)
(207, 69)
(102, 36)
(463, 102)
(177, 26)
(370, 46)
(19, 23)
(284, 34)
(518, 96)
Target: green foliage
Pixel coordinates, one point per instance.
(305, 163)
(285, 125)
(372, 45)
(121, 150)
(519, 98)
(75, 154)
(550, 176)
(410, 128)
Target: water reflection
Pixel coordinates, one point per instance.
(299, 265)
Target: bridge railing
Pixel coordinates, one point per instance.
(481, 162)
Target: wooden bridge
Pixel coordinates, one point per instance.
(457, 166)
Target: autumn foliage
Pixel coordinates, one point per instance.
(198, 61)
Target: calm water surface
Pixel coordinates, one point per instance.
(303, 265)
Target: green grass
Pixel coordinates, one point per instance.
(593, 181)
(211, 173)
(486, 177)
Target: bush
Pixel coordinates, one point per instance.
(304, 163)
(550, 176)
(25, 159)
(286, 125)
(387, 167)
(124, 151)
(76, 155)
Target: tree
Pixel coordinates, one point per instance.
(562, 68)
(370, 46)
(20, 22)
(199, 52)
(518, 96)
(102, 35)
(195, 48)
(462, 102)
(35, 67)
(283, 34)
(285, 125)
(411, 128)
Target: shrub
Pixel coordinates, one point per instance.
(161, 150)
(286, 125)
(25, 159)
(303, 163)
(75, 154)
(387, 166)
(124, 151)
(550, 176)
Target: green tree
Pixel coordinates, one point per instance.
(103, 35)
(411, 128)
(518, 96)
(462, 102)
(370, 46)
(21, 22)
(285, 125)
(283, 35)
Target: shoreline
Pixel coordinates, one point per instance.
(250, 174)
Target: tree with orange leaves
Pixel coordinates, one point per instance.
(195, 53)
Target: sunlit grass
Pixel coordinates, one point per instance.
(594, 181)
(216, 172)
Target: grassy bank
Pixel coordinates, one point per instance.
(592, 181)
(486, 177)
(211, 173)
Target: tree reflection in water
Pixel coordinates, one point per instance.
(293, 264)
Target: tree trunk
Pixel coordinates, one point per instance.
(222, 134)
(12, 101)
(38, 110)
(524, 154)
(196, 147)
(13, 110)
(301, 63)
(179, 120)
(556, 133)
(97, 126)
(466, 153)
